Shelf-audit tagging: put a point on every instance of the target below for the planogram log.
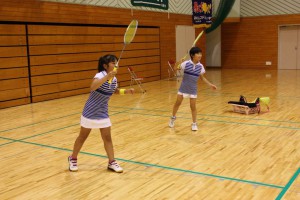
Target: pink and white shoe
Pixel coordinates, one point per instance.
(72, 164)
(114, 166)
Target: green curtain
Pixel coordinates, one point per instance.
(222, 12)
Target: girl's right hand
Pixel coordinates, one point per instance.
(111, 74)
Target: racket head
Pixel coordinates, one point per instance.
(195, 41)
(130, 31)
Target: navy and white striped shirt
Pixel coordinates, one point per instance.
(96, 106)
(190, 78)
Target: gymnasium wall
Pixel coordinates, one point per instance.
(251, 8)
(14, 77)
(53, 48)
(253, 41)
(175, 6)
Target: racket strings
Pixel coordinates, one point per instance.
(130, 32)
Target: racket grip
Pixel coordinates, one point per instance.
(182, 59)
(115, 69)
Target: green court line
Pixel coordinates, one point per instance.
(208, 92)
(136, 162)
(41, 134)
(222, 121)
(77, 124)
(47, 120)
(220, 116)
(6, 143)
(132, 108)
(255, 119)
(58, 129)
(203, 119)
(251, 124)
(288, 185)
(155, 165)
(126, 111)
(236, 96)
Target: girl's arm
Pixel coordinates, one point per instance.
(98, 82)
(177, 65)
(207, 82)
(124, 91)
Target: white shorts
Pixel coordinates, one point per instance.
(94, 123)
(185, 95)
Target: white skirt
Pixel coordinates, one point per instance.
(185, 95)
(94, 123)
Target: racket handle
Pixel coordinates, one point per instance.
(179, 65)
(115, 69)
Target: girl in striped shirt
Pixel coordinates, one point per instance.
(95, 112)
(193, 69)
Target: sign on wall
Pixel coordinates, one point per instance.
(202, 13)
(160, 4)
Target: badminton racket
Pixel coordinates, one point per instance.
(128, 37)
(196, 40)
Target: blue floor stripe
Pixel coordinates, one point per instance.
(288, 185)
(156, 166)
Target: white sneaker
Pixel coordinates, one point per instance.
(194, 127)
(172, 122)
(114, 166)
(72, 164)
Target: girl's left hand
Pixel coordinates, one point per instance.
(129, 91)
(213, 87)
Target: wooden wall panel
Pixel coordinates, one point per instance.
(60, 78)
(13, 73)
(85, 30)
(14, 81)
(12, 29)
(91, 39)
(12, 40)
(14, 102)
(13, 62)
(59, 87)
(84, 57)
(61, 94)
(19, 93)
(12, 51)
(253, 41)
(89, 48)
(95, 42)
(62, 68)
(72, 37)
(50, 12)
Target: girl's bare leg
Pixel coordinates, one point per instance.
(177, 104)
(193, 109)
(108, 145)
(84, 133)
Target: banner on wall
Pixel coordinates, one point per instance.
(160, 4)
(202, 13)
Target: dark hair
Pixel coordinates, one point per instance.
(194, 50)
(105, 60)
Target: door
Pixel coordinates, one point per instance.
(185, 36)
(298, 49)
(288, 45)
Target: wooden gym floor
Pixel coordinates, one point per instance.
(232, 156)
